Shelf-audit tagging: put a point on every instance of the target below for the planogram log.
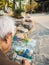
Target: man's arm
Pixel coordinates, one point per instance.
(4, 60)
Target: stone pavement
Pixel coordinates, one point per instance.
(43, 19)
(41, 34)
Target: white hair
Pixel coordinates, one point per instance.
(7, 25)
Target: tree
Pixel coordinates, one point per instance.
(43, 4)
(10, 4)
(14, 5)
(41, 0)
(2, 4)
(34, 5)
(19, 3)
(30, 5)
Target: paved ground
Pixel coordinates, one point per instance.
(41, 25)
(42, 19)
(41, 33)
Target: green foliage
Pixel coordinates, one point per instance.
(19, 3)
(18, 12)
(10, 4)
(31, 6)
(2, 4)
(18, 0)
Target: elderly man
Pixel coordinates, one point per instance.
(7, 30)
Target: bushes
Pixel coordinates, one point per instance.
(17, 12)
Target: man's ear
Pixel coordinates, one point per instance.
(7, 42)
(9, 35)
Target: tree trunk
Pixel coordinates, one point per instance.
(13, 5)
(20, 4)
(30, 6)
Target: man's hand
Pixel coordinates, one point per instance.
(5, 61)
(25, 62)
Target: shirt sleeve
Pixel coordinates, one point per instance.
(4, 60)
